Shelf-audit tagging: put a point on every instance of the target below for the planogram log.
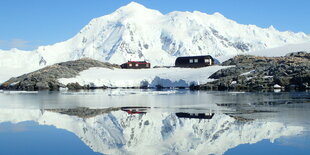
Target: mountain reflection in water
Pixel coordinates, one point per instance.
(169, 130)
(113, 131)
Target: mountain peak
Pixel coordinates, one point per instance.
(134, 32)
(218, 14)
(136, 10)
(133, 6)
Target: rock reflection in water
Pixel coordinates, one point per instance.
(149, 131)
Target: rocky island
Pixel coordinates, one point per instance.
(242, 72)
(290, 72)
(47, 78)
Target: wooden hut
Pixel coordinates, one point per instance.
(194, 61)
(136, 65)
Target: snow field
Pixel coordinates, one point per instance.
(165, 77)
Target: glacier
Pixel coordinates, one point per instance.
(134, 32)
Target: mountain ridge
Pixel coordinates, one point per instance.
(134, 32)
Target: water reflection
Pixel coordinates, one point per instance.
(145, 130)
(195, 115)
(135, 110)
(179, 123)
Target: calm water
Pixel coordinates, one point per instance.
(118, 121)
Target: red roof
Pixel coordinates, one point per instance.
(138, 62)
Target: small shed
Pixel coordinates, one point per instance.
(136, 65)
(194, 61)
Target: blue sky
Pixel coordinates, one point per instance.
(26, 24)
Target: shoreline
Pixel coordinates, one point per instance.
(243, 72)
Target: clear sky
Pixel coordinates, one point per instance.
(26, 24)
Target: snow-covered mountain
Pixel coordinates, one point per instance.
(134, 32)
(156, 133)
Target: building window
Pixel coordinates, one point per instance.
(191, 60)
(147, 65)
(137, 65)
(208, 61)
(130, 65)
(196, 60)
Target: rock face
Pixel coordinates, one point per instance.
(46, 78)
(263, 73)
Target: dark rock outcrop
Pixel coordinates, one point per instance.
(262, 73)
(46, 78)
(84, 112)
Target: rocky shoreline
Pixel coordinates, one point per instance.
(249, 73)
(47, 78)
(253, 73)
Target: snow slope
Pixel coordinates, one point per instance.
(157, 133)
(282, 51)
(134, 32)
(166, 77)
(16, 62)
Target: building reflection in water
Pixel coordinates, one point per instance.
(127, 130)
